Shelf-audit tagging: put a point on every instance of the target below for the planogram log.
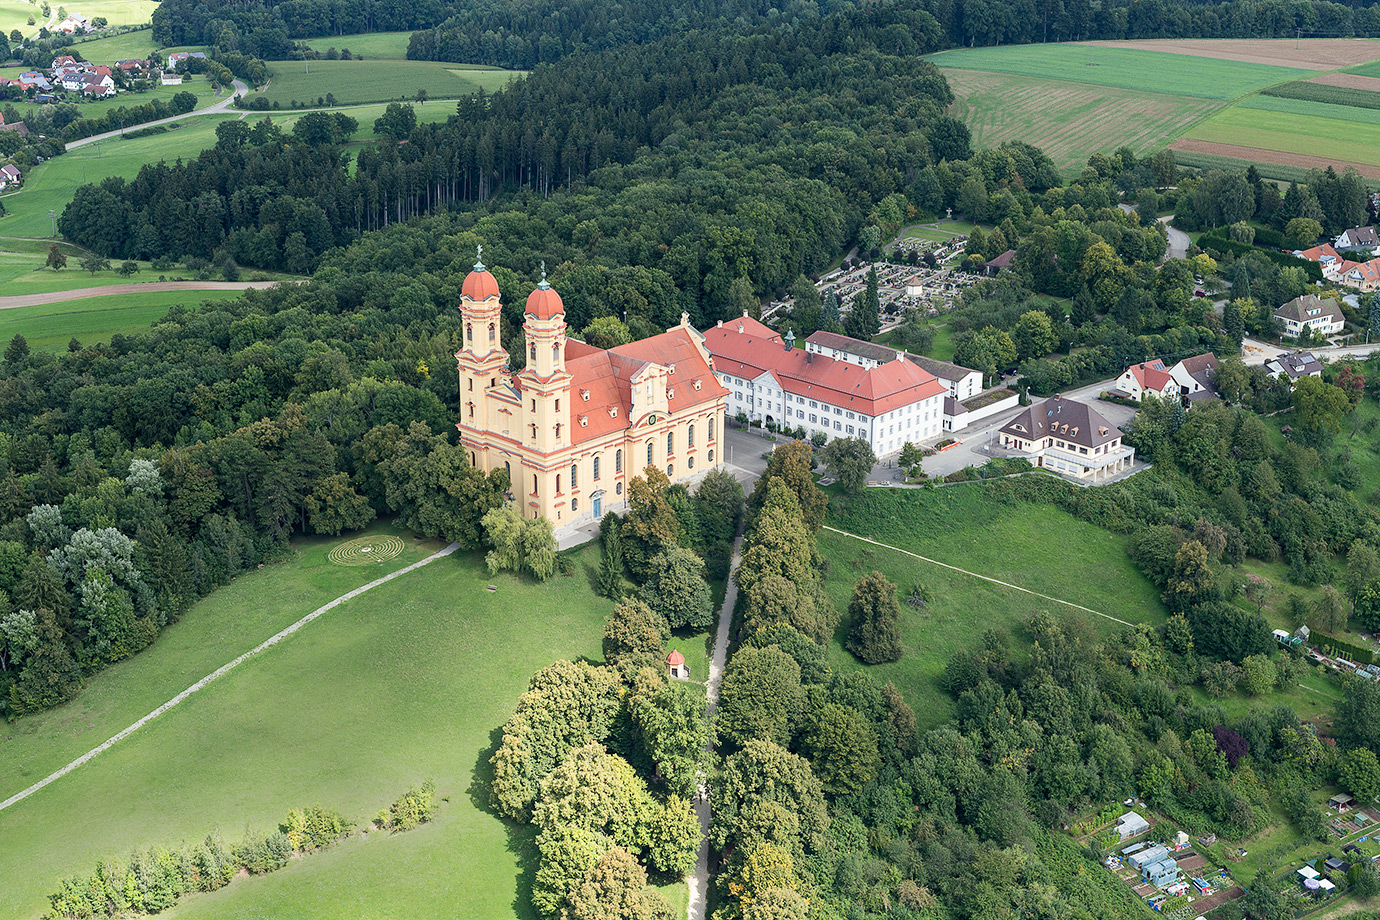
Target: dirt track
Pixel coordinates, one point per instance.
(33, 300)
(1349, 80)
(1312, 53)
(1272, 156)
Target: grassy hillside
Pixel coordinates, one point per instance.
(408, 681)
(49, 327)
(1038, 547)
(374, 46)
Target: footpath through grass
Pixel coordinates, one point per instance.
(411, 680)
(1039, 547)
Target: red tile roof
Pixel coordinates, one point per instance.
(1151, 375)
(841, 383)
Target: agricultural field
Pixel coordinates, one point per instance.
(408, 681)
(1124, 68)
(1287, 135)
(373, 46)
(118, 47)
(1067, 120)
(14, 14)
(1202, 97)
(966, 526)
(303, 83)
(49, 327)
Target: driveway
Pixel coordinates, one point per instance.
(224, 105)
(1178, 241)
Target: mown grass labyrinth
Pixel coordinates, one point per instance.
(367, 550)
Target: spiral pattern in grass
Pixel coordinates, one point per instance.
(367, 550)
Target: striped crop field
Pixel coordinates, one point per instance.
(1069, 121)
(1342, 141)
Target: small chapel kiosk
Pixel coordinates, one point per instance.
(578, 422)
(676, 667)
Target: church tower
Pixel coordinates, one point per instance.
(481, 359)
(544, 382)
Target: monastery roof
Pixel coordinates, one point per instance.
(841, 383)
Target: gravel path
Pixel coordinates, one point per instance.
(221, 672)
(34, 300)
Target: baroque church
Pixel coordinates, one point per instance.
(578, 422)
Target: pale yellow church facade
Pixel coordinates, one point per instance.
(578, 422)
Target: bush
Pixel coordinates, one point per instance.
(417, 806)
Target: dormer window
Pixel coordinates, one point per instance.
(584, 421)
(670, 392)
(671, 368)
(613, 412)
(584, 394)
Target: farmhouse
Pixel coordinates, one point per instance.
(841, 387)
(1321, 316)
(1147, 377)
(577, 422)
(32, 79)
(132, 66)
(9, 175)
(1070, 438)
(16, 126)
(178, 59)
(1357, 238)
(1294, 366)
(75, 24)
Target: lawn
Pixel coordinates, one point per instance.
(49, 327)
(1343, 140)
(297, 83)
(1068, 120)
(409, 681)
(966, 526)
(1142, 71)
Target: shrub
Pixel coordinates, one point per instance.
(417, 806)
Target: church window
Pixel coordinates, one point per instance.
(711, 429)
(534, 430)
(574, 476)
(558, 431)
(618, 461)
(534, 404)
(649, 453)
(574, 504)
(469, 332)
(558, 483)
(534, 483)
(491, 333)
(558, 405)
(618, 489)
(471, 405)
(711, 456)
(556, 353)
(690, 436)
(534, 351)
(670, 443)
(671, 471)
(691, 462)
(509, 468)
(596, 466)
(473, 462)
(471, 384)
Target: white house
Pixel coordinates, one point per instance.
(75, 23)
(1147, 377)
(1070, 438)
(1197, 376)
(9, 175)
(840, 394)
(1321, 316)
(1357, 238)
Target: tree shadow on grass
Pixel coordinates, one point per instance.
(522, 838)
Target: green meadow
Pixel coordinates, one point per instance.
(119, 47)
(1347, 141)
(969, 527)
(49, 327)
(1146, 71)
(373, 46)
(408, 681)
(305, 82)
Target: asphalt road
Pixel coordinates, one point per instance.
(241, 89)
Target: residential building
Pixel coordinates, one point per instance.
(844, 390)
(1147, 377)
(1069, 437)
(132, 66)
(962, 382)
(1358, 238)
(178, 59)
(1000, 263)
(1364, 276)
(32, 79)
(1319, 315)
(75, 24)
(9, 175)
(578, 422)
(16, 126)
(1196, 377)
(1293, 366)
(1325, 256)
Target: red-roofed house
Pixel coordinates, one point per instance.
(1325, 256)
(1147, 377)
(578, 422)
(887, 403)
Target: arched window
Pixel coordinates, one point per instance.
(690, 462)
(556, 353)
(574, 504)
(711, 430)
(711, 456)
(670, 471)
(534, 483)
(670, 443)
(509, 468)
(649, 453)
(596, 466)
(618, 461)
(472, 459)
(690, 436)
(471, 405)
(533, 351)
(469, 332)
(618, 489)
(558, 483)
(574, 476)
(491, 333)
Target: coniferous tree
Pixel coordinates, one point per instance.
(611, 557)
(50, 675)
